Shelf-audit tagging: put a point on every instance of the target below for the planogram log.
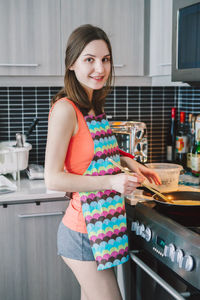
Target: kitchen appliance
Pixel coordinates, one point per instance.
(186, 41)
(132, 138)
(171, 246)
(14, 155)
(13, 159)
(187, 214)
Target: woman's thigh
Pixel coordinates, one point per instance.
(96, 285)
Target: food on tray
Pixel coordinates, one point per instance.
(186, 202)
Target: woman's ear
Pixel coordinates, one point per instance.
(71, 68)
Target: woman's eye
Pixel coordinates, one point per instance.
(89, 59)
(106, 59)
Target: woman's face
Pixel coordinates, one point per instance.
(92, 67)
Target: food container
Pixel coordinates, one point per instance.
(13, 159)
(169, 175)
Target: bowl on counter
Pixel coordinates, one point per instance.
(169, 175)
(12, 158)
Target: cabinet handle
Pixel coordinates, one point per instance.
(119, 66)
(57, 213)
(19, 65)
(165, 65)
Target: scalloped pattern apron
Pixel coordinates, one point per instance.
(104, 211)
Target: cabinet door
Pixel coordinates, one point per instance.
(30, 37)
(160, 37)
(123, 21)
(30, 267)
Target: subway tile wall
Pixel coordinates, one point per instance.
(152, 105)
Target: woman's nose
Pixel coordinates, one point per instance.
(99, 67)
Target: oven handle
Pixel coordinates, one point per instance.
(155, 276)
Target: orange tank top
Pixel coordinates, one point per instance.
(78, 158)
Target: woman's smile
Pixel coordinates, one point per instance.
(97, 78)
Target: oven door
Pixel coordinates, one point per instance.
(153, 281)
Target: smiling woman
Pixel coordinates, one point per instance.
(92, 236)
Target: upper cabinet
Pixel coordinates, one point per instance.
(123, 21)
(34, 34)
(160, 37)
(30, 37)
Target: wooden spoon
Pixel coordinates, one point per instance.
(143, 184)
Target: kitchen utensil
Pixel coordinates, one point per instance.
(19, 140)
(31, 128)
(13, 158)
(188, 215)
(148, 187)
(169, 175)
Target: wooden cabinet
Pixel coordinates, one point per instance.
(30, 37)
(123, 21)
(160, 37)
(30, 267)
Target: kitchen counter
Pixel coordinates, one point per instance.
(30, 191)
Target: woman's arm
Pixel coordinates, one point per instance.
(141, 170)
(62, 126)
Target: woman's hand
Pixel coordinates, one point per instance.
(125, 184)
(141, 170)
(151, 175)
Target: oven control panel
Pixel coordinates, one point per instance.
(141, 230)
(175, 254)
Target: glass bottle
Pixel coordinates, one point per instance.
(191, 139)
(182, 141)
(195, 158)
(171, 137)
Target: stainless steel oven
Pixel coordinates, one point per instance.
(165, 255)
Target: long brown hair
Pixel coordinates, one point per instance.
(77, 41)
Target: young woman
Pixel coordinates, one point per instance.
(92, 235)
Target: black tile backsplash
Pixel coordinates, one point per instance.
(152, 105)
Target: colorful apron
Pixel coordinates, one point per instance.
(104, 211)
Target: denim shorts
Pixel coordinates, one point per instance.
(73, 244)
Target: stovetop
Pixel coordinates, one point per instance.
(175, 245)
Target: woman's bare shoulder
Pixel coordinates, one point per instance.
(63, 109)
